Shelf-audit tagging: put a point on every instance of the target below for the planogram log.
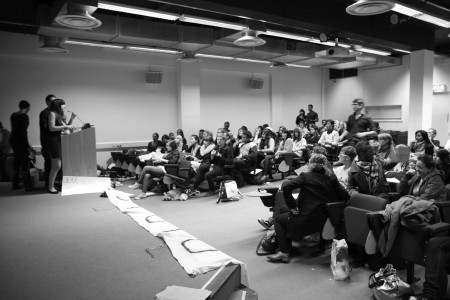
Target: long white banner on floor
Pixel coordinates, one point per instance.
(195, 256)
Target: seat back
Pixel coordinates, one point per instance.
(355, 217)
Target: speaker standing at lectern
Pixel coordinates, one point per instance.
(57, 127)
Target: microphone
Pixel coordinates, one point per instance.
(85, 125)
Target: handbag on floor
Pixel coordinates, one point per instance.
(268, 244)
(386, 285)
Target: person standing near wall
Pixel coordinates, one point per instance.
(359, 125)
(21, 147)
(311, 117)
(44, 136)
(5, 148)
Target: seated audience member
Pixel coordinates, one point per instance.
(403, 153)
(180, 132)
(285, 147)
(180, 145)
(431, 135)
(318, 186)
(342, 127)
(346, 157)
(424, 182)
(336, 125)
(171, 136)
(312, 137)
(301, 117)
(386, 152)
(154, 144)
(421, 144)
(200, 136)
(447, 145)
(220, 156)
(443, 164)
(257, 134)
(205, 164)
(323, 127)
(278, 136)
(266, 145)
(247, 153)
(226, 126)
(377, 129)
(303, 130)
(329, 137)
(366, 175)
(437, 262)
(194, 148)
(238, 139)
(299, 143)
(157, 170)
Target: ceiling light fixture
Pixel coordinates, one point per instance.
(285, 35)
(153, 50)
(211, 22)
(215, 56)
(137, 11)
(298, 66)
(253, 60)
(373, 51)
(400, 50)
(413, 13)
(93, 44)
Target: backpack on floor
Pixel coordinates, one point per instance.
(228, 191)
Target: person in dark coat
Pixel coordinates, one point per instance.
(317, 187)
(366, 175)
(21, 148)
(45, 137)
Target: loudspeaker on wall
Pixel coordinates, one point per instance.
(153, 77)
(256, 83)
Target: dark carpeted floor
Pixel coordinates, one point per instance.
(82, 247)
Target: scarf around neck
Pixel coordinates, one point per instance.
(370, 170)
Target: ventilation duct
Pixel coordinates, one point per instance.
(153, 77)
(256, 83)
(51, 44)
(77, 16)
(370, 7)
(249, 39)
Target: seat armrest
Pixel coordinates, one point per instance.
(172, 169)
(271, 191)
(336, 212)
(437, 228)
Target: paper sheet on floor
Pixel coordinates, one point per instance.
(74, 185)
(195, 256)
(174, 292)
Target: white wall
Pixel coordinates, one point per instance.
(441, 102)
(384, 86)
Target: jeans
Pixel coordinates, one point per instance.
(436, 262)
(216, 171)
(202, 170)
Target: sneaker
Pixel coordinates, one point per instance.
(135, 186)
(193, 193)
(266, 223)
(140, 196)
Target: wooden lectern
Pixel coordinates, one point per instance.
(79, 155)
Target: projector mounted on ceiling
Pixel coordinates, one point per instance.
(338, 52)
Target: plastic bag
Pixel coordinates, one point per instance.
(340, 265)
(386, 284)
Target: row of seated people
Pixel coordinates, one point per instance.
(319, 185)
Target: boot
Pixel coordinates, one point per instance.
(16, 181)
